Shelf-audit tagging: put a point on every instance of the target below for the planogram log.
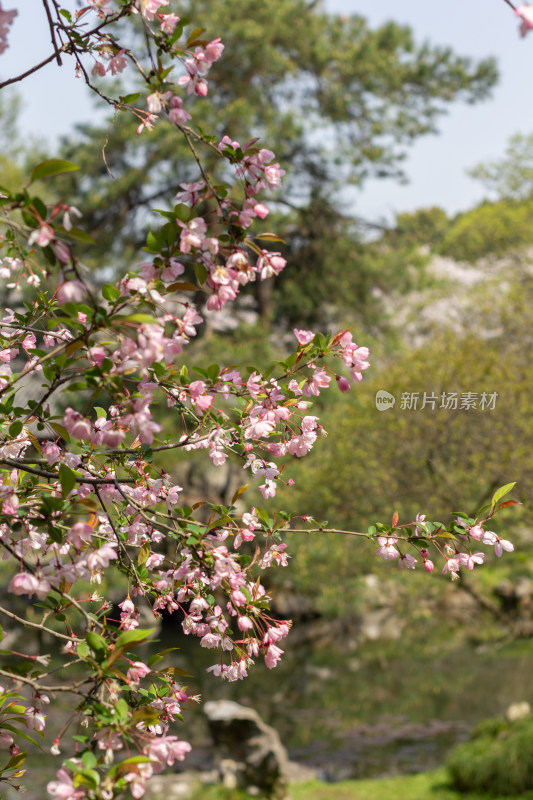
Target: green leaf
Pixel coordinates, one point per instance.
(130, 98)
(60, 430)
(80, 235)
(142, 319)
(138, 635)
(240, 491)
(110, 292)
(15, 428)
(144, 552)
(22, 734)
(67, 479)
(501, 492)
(89, 759)
(200, 272)
(97, 644)
(156, 657)
(54, 166)
(15, 761)
(152, 242)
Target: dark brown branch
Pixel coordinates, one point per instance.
(52, 33)
(10, 462)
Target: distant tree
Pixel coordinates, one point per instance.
(511, 176)
(340, 103)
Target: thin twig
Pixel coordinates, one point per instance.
(39, 687)
(10, 462)
(27, 624)
(52, 33)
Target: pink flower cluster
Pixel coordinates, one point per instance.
(6, 19)
(198, 64)
(526, 16)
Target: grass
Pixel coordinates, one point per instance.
(423, 786)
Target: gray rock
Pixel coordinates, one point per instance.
(248, 752)
(518, 711)
(176, 786)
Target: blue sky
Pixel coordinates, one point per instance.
(54, 99)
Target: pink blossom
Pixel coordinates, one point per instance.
(526, 15)
(304, 337)
(5, 740)
(319, 380)
(42, 236)
(6, 19)
(213, 50)
(63, 788)
(471, 559)
(99, 559)
(71, 292)
(343, 383)
(387, 547)
(149, 8)
(69, 211)
(77, 425)
(452, 566)
(26, 583)
(273, 175)
(177, 115)
(168, 23)
(273, 655)
(499, 544)
(98, 69)
(137, 671)
(167, 749)
(406, 561)
(118, 63)
(35, 720)
(147, 122)
(192, 234)
(100, 6)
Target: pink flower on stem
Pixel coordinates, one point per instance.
(35, 719)
(137, 671)
(471, 559)
(71, 292)
(5, 740)
(387, 547)
(273, 656)
(42, 236)
(499, 544)
(167, 750)
(343, 383)
(25, 583)
(149, 8)
(99, 559)
(452, 566)
(304, 337)
(63, 788)
(406, 561)
(526, 15)
(168, 23)
(6, 19)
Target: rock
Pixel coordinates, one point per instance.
(518, 711)
(380, 623)
(176, 786)
(248, 752)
